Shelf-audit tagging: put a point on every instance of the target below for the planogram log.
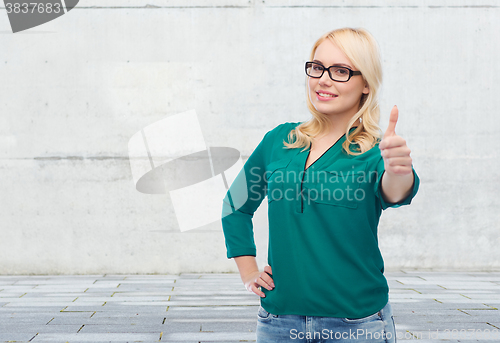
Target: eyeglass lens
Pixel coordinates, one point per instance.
(336, 73)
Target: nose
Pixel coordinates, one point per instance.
(325, 79)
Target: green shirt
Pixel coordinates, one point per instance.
(323, 246)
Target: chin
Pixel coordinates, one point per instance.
(325, 110)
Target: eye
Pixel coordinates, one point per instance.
(341, 71)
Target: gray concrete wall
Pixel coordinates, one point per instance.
(75, 90)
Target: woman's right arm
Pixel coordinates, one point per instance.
(242, 199)
(244, 196)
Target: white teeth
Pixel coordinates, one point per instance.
(329, 95)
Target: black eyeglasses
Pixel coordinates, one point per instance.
(337, 73)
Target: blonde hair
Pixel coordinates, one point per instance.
(362, 50)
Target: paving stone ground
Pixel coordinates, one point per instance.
(428, 306)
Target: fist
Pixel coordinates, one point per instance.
(396, 154)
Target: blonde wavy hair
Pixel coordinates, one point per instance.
(362, 50)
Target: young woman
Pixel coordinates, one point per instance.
(327, 181)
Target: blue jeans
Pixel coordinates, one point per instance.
(376, 328)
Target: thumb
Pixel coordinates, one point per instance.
(268, 270)
(393, 119)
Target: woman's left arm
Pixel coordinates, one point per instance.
(398, 178)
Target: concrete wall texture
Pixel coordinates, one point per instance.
(75, 89)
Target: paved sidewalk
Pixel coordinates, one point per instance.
(217, 308)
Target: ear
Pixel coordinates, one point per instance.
(366, 90)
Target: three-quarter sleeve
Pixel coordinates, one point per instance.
(378, 187)
(241, 201)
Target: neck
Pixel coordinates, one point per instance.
(338, 125)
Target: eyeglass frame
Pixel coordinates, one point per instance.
(351, 72)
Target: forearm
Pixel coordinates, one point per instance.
(246, 266)
(396, 187)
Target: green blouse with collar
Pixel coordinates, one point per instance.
(323, 246)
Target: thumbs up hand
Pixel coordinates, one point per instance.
(396, 154)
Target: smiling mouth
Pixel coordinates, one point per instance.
(326, 95)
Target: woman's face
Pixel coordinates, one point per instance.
(346, 95)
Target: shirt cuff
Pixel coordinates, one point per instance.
(405, 201)
(241, 252)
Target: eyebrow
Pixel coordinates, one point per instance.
(336, 64)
